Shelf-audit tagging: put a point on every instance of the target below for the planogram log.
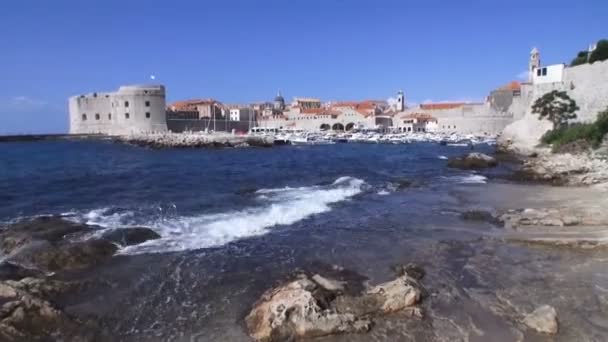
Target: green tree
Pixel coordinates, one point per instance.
(600, 53)
(581, 58)
(557, 107)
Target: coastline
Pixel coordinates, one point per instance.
(539, 227)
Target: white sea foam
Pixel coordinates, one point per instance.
(469, 179)
(282, 206)
(383, 192)
(442, 157)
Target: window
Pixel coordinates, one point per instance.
(544, 71)
(84, 117)
(147, 115)
(147, 103)
(126, 104)
(538, 72)
(97, 116)
(109, 116)
(126, 115)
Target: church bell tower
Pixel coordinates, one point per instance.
(400, 101)
(534, 63)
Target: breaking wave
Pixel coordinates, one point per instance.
(282, 206)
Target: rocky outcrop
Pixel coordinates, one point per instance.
(566, 169)
(53, 244)
(195, 140)
(473, 161)
(38, 249)
(543, 320)
(314, 307)
(27, 315)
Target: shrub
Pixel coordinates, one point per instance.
(592, 133)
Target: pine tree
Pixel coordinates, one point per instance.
(557, 107)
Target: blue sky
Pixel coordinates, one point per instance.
(243, 51)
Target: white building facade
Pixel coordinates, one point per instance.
(131, 109)
(548, 74)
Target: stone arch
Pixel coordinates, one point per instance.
(324, 127)
(350, 126)
(338, 127)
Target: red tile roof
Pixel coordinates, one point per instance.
(514, 85)
(191, 104)
(441, 106)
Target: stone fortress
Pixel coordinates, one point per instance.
(141, 108)
(131, 109)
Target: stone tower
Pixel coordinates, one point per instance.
(400, 101)
(534, 63)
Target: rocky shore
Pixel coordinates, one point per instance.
(37, 255)
(315, 306)
(195, 140)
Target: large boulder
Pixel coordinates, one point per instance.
(45, 256)
(318, 306)
(47, 228)
(473, 161)
(291, 311)
(131, 236)
(70, 256)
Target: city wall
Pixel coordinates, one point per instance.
(587, 84)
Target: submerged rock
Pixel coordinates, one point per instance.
(131, 236)
(479, 215)
(473, 161)
(306, 308)
(543, 319)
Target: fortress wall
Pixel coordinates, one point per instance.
(106, 113)
(471, 119)
(587, 84)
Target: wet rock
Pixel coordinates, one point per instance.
(47, 228)
(412, 270)
(64, 256)
(11, 271)
(329, 284)
(479, 215)
(403, 184)
(291, 312)
(543, 319)
(473, 161)
(131, 236)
